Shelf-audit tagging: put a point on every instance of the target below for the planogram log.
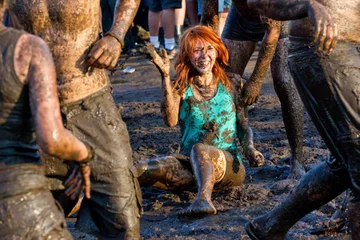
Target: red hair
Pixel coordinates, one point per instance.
(185, 72)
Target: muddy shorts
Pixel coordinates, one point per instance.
(27, 207)
(115, 202)
(330, 89)
(159, 5)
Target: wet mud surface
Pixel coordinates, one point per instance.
(138, 98)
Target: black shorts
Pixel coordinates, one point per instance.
(330, 89)
(159, 5)
(240, 28)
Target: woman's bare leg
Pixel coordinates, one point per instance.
(166, 173)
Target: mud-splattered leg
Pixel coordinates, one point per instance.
(291, 106)
(166, 173)
(209, 165)
(317, 187)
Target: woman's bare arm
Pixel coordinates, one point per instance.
(170, 101)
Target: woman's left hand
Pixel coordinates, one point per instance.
(256, 159)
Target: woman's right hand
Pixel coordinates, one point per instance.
(162, 62)
(256, 159)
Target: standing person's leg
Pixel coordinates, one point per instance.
(154, 18)
(336, 119)
(179, 21)
(168, 24)
(291, 107)
(191, 12)
(240, 49)
(317, 187)
(224, 7)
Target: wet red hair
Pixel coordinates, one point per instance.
(185, 72)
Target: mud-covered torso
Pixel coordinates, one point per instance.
(17, 129)
(346, 14)
(69, 28)
(211, 122)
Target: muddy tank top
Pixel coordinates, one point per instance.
(211, 122)
(17, 130)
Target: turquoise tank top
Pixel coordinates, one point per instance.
(211, 122)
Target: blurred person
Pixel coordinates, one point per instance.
(223, 7)
(71, 30)
(107, 14)
(162, 12)
(30, 119)
(179, 21)
(192, 12)
(324, 60)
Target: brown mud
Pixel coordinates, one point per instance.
(138, 98)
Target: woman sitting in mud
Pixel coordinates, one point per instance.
(204, 101)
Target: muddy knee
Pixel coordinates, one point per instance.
(222, 163)
(205, 154)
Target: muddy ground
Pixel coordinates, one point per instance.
(138, 98)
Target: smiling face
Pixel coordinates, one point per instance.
(203, 57)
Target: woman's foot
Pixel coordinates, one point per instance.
(199, 208)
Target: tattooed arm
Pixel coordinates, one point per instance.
(325, 29)
(251, 89)
(34, 66)
(209, 16)
(106, 51)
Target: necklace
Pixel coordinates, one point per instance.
(205, 92)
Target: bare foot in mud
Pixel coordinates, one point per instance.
(199, 208)
(256, 159)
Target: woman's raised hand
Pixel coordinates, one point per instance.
(162, 62)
